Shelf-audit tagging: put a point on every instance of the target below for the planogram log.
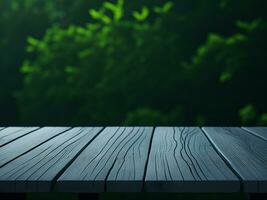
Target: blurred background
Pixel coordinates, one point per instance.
(124, 62)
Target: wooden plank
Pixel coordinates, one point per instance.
(258, 131)
(28, 142)
(36, 170)
(114, 161)
(183, 160)
(12, 133)
(246, 153)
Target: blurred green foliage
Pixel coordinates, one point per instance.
(183, 62)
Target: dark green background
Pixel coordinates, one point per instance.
(184, 62)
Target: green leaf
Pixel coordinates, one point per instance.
(247, 113)
(237, 38)
(225, 76)
(70, 69)
(116, 9)
(27, 68)
(32, 41)
(94, 13)
(263, 119)
(164, 9)
(14, 6)
(110, 6)
(141, 16)
(99, 15)
(250, 26)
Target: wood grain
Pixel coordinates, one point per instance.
(133, 159)
(12, 133)
(258, 131)
(246, 153)
(114, 161)
(183, 160)
(28, 142)
(36, 170)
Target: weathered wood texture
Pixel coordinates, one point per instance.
(246, 153)
(10, 134)
(114, 161)
(133, 159)
(183, 160)
(258, 131)
(36, 170)
(28, 142)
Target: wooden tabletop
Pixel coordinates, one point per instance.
(133, 159)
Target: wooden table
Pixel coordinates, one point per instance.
(133, 159)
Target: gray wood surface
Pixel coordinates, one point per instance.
(114, 161)
(12, 133)
(133, 159)
(36, 170)
(246, 153)
(28, 142)
(183, 160)
(258, 131)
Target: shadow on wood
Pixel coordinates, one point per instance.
(13, 196)
(88, 196)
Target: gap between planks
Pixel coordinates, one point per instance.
(148, 155)
(248, 129)
(33, 129)
(54, 181)
(225, 160)
(30, 149)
